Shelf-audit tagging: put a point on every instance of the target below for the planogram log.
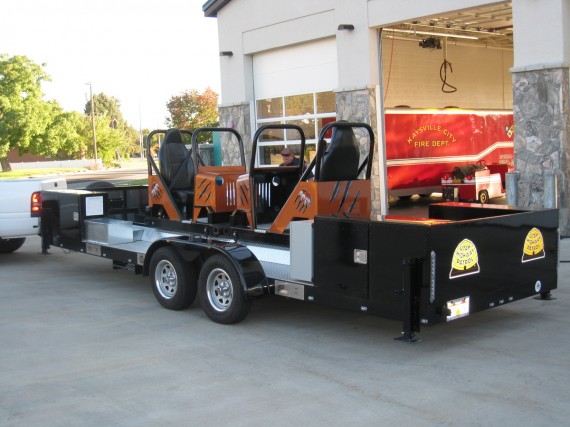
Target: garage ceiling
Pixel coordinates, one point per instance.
(487, 26)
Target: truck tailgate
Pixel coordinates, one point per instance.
(15, 206)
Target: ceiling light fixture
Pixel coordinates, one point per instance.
(431, 33)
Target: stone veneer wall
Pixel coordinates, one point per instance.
(542, 127)
(359, 105)
(236, 117)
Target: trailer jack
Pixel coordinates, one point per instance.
(545, 296)
(411, 284)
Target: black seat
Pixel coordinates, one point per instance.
(176, 167)
(340, 161)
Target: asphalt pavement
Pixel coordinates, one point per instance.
(85, 345)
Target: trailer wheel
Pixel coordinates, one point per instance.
(99, 184)
(173, 280)
(221, 292)
(483, 196)
(11, 245)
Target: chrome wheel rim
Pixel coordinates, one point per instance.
(166, 280)
(219, 289)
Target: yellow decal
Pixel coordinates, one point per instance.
(533, 246)
(465, 260)
(444, 138)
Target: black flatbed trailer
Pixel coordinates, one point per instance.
(463, 259)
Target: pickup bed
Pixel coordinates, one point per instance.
(17, 200)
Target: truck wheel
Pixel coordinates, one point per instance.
(11, 245)
(483, 196)
(221, 292)
(173, 280)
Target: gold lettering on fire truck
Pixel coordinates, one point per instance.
(465, 260)
(533, 246)
(431, 136)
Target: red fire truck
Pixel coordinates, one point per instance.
(423, 145)
(474, 183)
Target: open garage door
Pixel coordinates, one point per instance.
(448, 95)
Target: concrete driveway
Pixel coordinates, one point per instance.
(84, 345)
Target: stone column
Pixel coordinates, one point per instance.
(542, 127)
(359, 105)
(238, 117)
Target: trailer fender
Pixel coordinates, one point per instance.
(252, 275)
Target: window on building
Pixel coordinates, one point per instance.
(309, 111)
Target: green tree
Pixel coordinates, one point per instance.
(111, 142)
(107, 106)
(191, 109)
(123, 141)
(24, 116)
(69, 136)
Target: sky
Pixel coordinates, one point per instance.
(141, 52)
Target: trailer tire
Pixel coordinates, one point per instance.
(172, 279)
(10, 245)
(221, 291)
(483, 196)
(99, 184)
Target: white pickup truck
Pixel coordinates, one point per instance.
(19, 199)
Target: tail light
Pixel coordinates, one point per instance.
(36, 204)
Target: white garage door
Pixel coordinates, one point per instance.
(307, 68)
(294, 85)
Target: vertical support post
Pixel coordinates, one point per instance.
(512, 184)
(411, 286)
(93, 122)
(550, 190)
(46, 230)
(380, 126)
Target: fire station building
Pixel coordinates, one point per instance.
(310, 62)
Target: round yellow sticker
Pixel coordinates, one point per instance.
(533, 246)
(465, 259)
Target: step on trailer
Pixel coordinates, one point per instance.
(311, 239)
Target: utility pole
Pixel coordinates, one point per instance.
(140, 133)
(93, 121)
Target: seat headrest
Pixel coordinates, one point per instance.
(340, 162)
(173, 136)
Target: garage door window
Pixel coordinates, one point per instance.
(309, 111)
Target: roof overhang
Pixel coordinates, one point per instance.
(212, 7)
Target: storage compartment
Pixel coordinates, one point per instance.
(65, 210)
(111, 231)
(341, 257)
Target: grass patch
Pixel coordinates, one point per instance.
(142, 181)
(29, 173)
